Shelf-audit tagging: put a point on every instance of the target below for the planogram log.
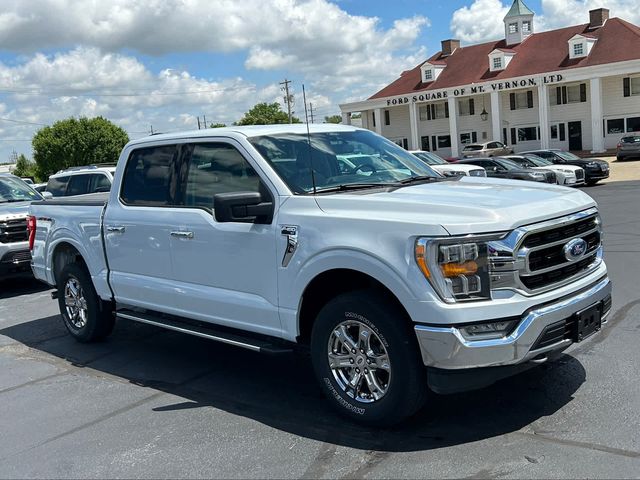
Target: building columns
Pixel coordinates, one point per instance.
(377, 113)
(496, 123)
(453, 126)
(543, 113)
(346, 118)
(414, 141)
(597, 138)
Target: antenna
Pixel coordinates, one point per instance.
(306, 117)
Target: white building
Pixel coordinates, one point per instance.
(575, 88)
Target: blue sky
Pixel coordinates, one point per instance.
(167, 62)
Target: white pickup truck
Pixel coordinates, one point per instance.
(394, 277)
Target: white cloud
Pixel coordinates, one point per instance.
(480, 22)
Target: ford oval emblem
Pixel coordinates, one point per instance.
(575, 249)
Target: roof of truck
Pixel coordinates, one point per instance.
(249, 131)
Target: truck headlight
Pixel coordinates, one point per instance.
(458, 269)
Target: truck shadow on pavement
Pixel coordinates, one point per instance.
(281, 391)
(21, 286)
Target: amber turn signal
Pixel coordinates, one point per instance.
(450, 270)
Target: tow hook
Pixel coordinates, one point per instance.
(54, 295)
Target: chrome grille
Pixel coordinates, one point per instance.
(580, 174)
(15, 258)
(13, 230)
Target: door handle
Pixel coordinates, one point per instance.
(182, 234)
(115, 229)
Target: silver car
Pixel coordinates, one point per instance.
(629, 147)
(488, 149)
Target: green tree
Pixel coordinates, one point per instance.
(266, 114)
(218, 125)
(333, 119)
(76, 142)
(25, 167)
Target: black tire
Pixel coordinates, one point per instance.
(591, 183)
(98, 319)
(406, 389)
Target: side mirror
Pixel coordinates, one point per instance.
(242, 207)
(46, 195)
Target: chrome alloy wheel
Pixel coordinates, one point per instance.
(75, 303)
(359, 361)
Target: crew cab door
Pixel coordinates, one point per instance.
(226, 272)
(137, 227)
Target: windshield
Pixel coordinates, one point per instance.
(508, 164)
(567, 155)
(357, 158)
(15, 190)
(430, 158)
(538, 161)
(472, 148)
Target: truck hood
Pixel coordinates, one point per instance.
(468, 205)
(17, 209)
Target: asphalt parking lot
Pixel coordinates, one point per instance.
(152, 403)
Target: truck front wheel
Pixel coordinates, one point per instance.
(366, 359)
(86, 316)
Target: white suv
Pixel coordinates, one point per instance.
(81, 180)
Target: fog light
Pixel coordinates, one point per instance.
(486, 331)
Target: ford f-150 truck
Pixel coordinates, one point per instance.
(394, 278)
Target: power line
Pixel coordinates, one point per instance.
(130, 94)
(22, 121)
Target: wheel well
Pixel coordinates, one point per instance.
(63, 255)
(332, 283)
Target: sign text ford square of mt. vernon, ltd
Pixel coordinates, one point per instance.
(472, 90)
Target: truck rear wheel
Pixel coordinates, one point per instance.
(86, 316)
(366, 359)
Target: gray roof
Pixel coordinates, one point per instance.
(518, 8)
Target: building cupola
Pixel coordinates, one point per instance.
(518, 23)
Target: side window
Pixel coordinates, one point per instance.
(99, 183)
(217, 168)
(57, 186)
(150, 177)
(493, 145)
(78, 185)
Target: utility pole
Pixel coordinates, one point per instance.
(311, 111)
(13, 158)
(288, 98)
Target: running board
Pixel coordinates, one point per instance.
(210, 333)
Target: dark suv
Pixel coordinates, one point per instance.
(629, 147)
(595, 169)
(500, 167)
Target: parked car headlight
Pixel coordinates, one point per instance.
(592, 164)
(457, 268)
(536, 175)
(566, 171)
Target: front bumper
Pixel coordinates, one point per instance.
(15, 259)
(447, 348)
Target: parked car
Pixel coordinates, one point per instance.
(378, 274)
(501, 167)
(81, 180)
(488, 149)
(15, 198)
(629, 147)
(595, 169)
(27, 180)
(448, 169)
(568, 175)
(40, 187)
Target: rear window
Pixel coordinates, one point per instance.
(57, 186)
(635, 139)
(78, 185)
(150, 178)
(472, 148)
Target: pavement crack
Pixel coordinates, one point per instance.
(32, 382)
(587, 445)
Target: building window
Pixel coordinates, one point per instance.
(615, 125)
(570, 94)
(444, 141)
(467, 138)
(520, 100)
(527, 134)
(424, 143)
(466, 107)
(513, 28)
(423, 113)
(497, 63)
(554, 132)
(633, 124)
(635, 86)
(578, 49)
(573, 94)
(428, 75)
(387, 117)
(526, 26)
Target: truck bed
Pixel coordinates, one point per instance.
(89, 200)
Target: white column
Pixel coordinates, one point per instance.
(496, 117)
(543, 113)
(597, 140)
(453, 126)
(378, 114)
(414, 142)
(346, 118)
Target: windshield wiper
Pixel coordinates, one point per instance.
(354, 186)
(420, 178)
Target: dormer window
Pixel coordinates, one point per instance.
(430, 71)
(428, 75)
(513, 28)
(499, 59)
(526, 27)
(497, 63)
(580, 46)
